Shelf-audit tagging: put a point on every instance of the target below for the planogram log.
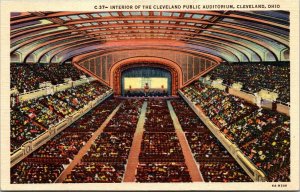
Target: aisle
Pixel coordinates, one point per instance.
(133, 158)
(187, 153)
(86, 147)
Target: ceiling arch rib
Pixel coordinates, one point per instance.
(230, 35)
(51, 53)
(40, 37)
(56, 42)
(244, 50)
(221, 45)
(30, 48)
(61, 47)
(258, 42)
(37, 29)
(82, 50)
(260, 50)
(209, 52)
(28, 36)
(271, 42)
(248, 38)
(274, 16)
(233, 41)
(268, 34)
(233, 14)
(283, 33)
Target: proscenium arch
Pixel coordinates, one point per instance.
(116, 71)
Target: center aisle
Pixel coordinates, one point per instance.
(84, 149)
(133, 158)
(187, 153)
(161, 159)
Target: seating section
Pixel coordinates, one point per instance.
(126, 118)
(256, 77)
(23, 78)
(80, 96)
(110, 147)
(64, 146)
(216, 163)
(22, 129)
(46, 164)
(162, 146)
(56, 73)
(106, 159)
(222, 108)
(261, 134)
(33, 117)
(96, 172)
(38, 112)
(29, 172)
(161, 158)
(158, 117)
(231, 172)
(26, 77)
(265, 139)
(94, 119)
(163, 172)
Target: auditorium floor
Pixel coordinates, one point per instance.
(133, 162)
(85, 148)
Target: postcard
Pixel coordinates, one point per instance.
(149, 95)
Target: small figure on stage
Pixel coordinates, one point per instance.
(129, 91)
(163, 90)
(146, 89)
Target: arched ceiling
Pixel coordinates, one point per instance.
(232, 36)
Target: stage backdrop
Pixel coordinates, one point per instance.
(150, 75)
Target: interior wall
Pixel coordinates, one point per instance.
(191, 65)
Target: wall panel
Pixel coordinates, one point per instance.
(192, 65)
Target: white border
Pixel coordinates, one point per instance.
(8, 6)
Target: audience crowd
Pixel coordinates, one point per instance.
(30, 172)
(23, 78)
(223, 172)
(33, 117)
(63, 146)
(262, 135)
(96, 172)
(46, 163)
(270, 151)
(189, 121)
(36, 111)
(94, 119)
(221, 107)
(163, 172)
(162, 146)
(255, 77)
(126, 118)
(161, 158)
(110, 147)
(216, 163)
(79, 96)
(22, 129)
(26, 77)
(106, 159)
(57, 73)
(158, 117)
